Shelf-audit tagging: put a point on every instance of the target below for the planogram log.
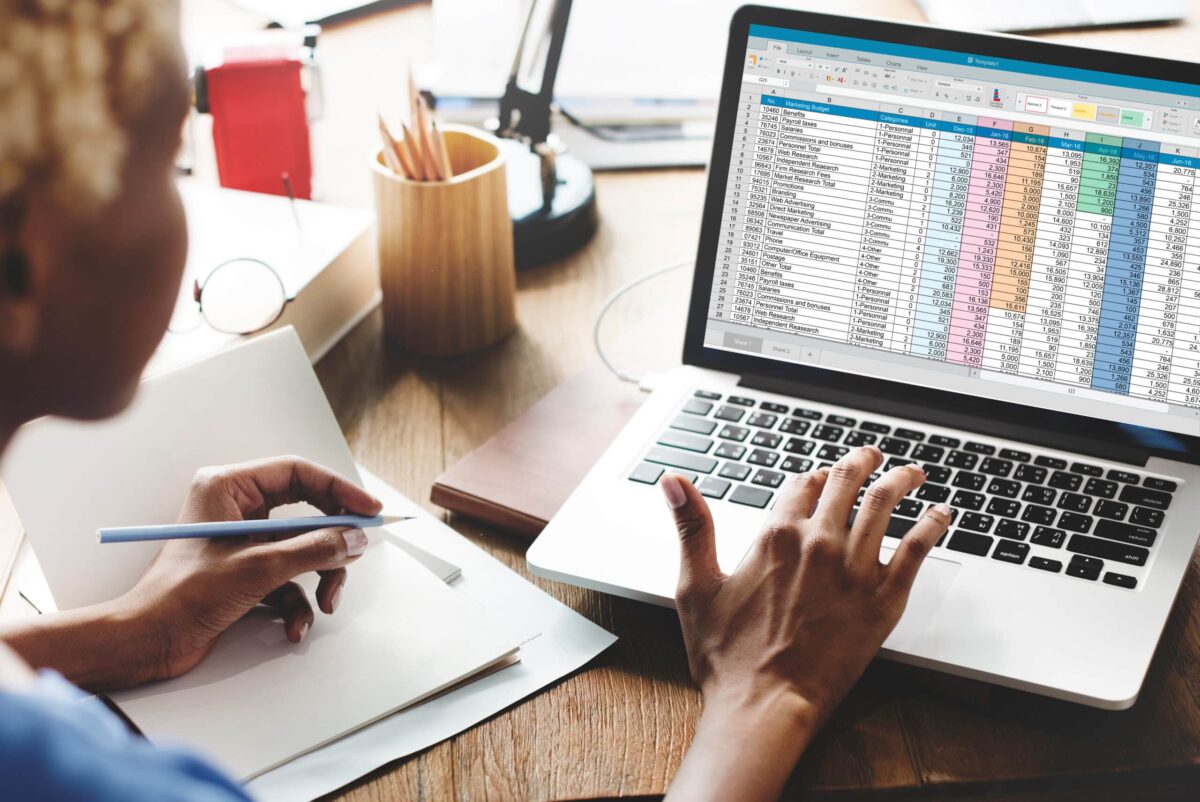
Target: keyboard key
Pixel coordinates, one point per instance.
(732, 414)
(729, 451)
(681, 459)
(891, 445)
(961, 459)
(1124, 476)
(1114, 510)
(1053, 463)
(976, 522)
(796, 465)
(690, 423)
(970, 543)
(979, 448)
(1154, 483)
(1005, 508)
(1013, 530)
(1120, 580)
(714, 488)
(1015, 455)
(1126, 533)
(1045, 564)
(751, 496)
(832, 453)
(768, 478)
(740, 400)
(909, 434)
(937, 474)
(927, 453)
(996, 467)
(738, 433)
(1010, 551)
(761, 456)
(896, 462)
(945, 442)
(734, 470)
(829, 433)
(771, 406)
(897, 527)
(691, 477)
(969, 481)
(1004, 488)
(1100, 487)
(795, 426)
(763, 420)
(1145, 498)
(1038, 515)
(1143, 516)
(877, 428)
(646, 473)
(856, 439)
(933, 493)
(909, 508)
(1108, 550)
(709, 394)
(797, 446)
(1030, 473)
(697, 407)
(840, 420)
(1084, 570)
(1087, 469)
(1065, 481)
(766, 439)
(807, 414)
(966, 500)
(1039, 495)
(1074, 522)
(1074, 502)
(1050, 538)
(688, 442)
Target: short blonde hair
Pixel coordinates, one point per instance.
(73, 75)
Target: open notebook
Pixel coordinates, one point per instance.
(400, 634)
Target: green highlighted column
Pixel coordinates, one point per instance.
(1101, 169)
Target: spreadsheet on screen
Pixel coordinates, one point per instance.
(1026, 232)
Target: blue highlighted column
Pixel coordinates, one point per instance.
(1125, 270)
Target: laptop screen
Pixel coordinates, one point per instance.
(1011, 230)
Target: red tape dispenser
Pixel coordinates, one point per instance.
(261, 109)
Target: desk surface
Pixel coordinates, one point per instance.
(621, 726)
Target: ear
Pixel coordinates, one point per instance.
(22, 291)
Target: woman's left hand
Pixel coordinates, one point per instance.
(195, 589)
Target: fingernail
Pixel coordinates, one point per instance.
(672, 487)
(356, 541)
(303, 630)
(335, 598)
(944, 509)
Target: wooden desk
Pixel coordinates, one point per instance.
(620, 727)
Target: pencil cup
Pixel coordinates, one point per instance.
(446, 250)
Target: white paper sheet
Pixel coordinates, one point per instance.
(566, 642)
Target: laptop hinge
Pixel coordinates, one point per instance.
(1102, 448)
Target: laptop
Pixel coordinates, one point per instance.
(982, 255)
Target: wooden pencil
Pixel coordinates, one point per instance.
(439, 148)
(412, 147)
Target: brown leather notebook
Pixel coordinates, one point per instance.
(517, 480)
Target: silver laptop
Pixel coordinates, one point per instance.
(982, 255)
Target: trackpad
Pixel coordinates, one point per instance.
(928, 592)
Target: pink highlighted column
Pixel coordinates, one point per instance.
(981, 233)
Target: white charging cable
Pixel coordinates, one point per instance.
(644, 383)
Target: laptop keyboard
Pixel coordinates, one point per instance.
(1078, 518)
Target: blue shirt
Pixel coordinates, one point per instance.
(56, 744)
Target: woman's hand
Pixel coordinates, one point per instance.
(776, 645)
(195, 589)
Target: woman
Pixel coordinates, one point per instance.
(92, 246)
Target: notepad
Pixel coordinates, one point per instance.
(400, 633)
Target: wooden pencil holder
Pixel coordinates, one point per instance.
(446, 250)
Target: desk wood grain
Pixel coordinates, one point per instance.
(621, 726)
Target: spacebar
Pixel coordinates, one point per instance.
(897, 527)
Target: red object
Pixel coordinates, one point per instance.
(260, 126)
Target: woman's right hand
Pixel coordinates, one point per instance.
(778, 643)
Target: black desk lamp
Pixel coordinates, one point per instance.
(551, 194)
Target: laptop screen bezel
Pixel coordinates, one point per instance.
(1006, 415)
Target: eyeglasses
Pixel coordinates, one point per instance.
(241, 296)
